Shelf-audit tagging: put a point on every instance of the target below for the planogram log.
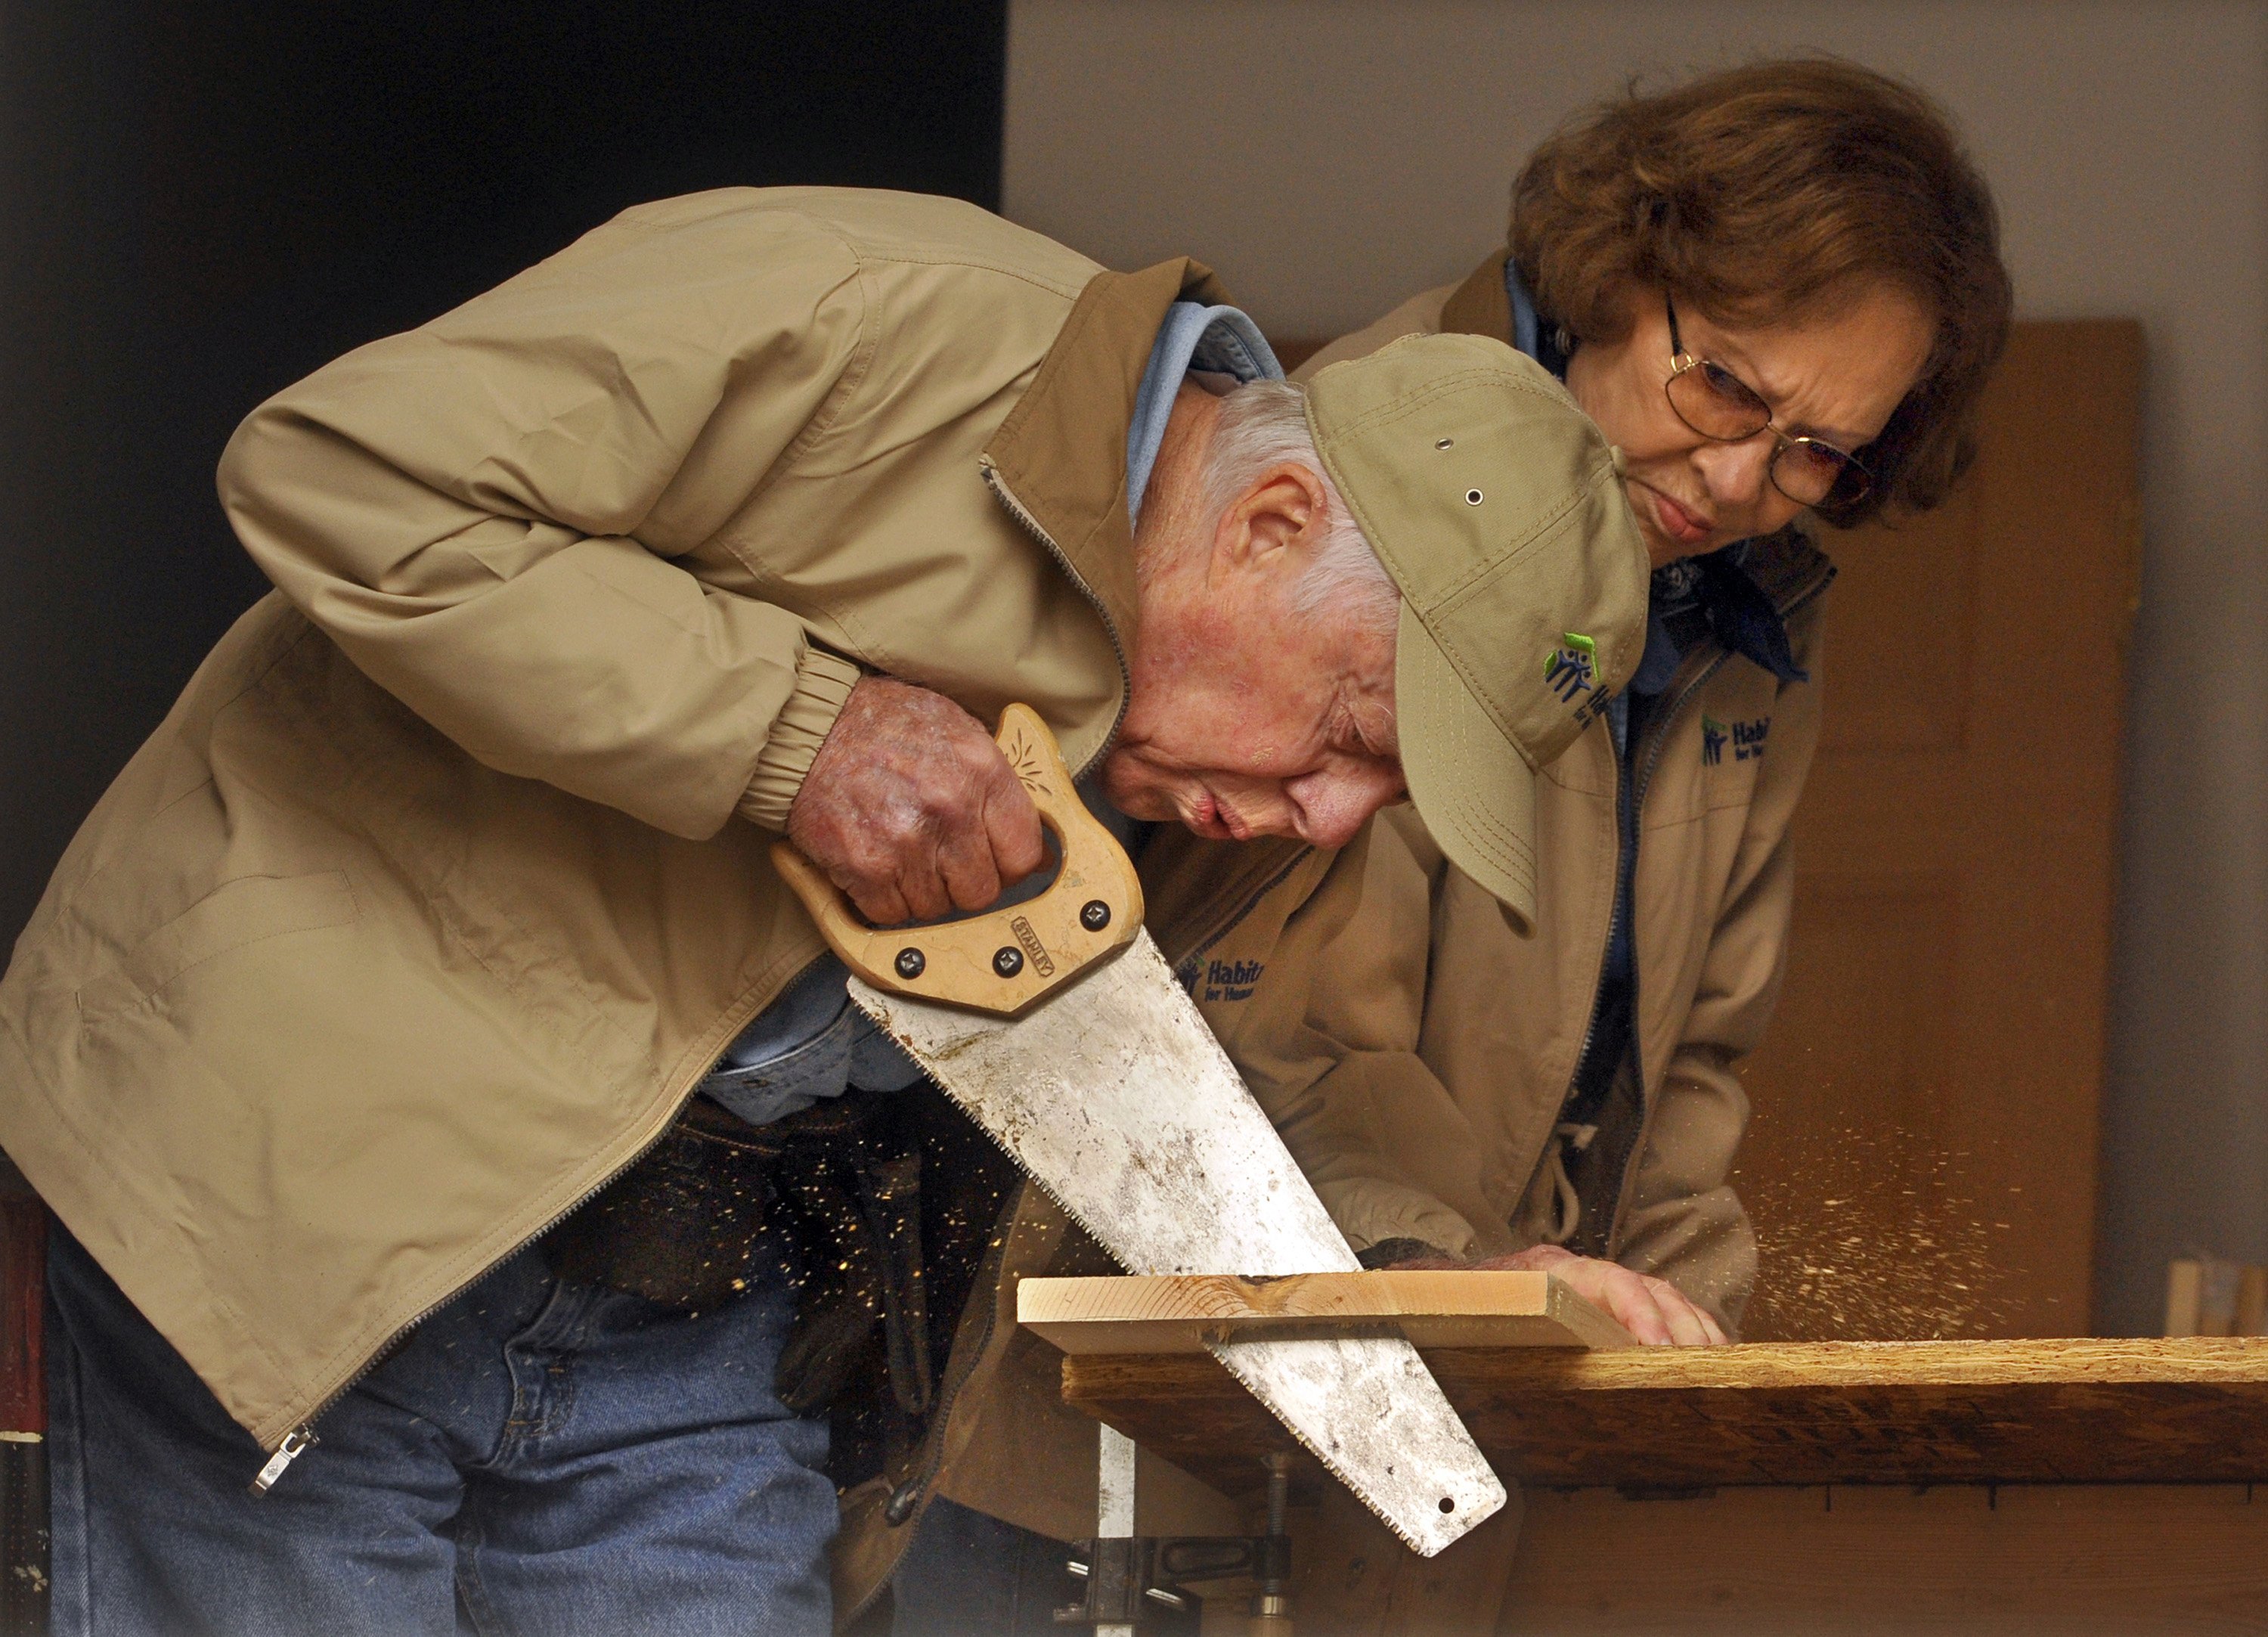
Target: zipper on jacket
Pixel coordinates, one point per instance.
(905, 1500)
(294, 1443)
(297, 1441)
(1658, 733)
(1625, 837)
(1006, 497)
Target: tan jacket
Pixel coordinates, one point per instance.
(420, 915)
(1455, 1042)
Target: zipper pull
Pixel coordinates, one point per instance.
(294, 1443)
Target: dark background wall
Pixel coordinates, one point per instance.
(201, 203)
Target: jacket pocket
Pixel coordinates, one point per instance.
(246, 911)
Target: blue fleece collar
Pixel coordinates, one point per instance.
(1215, 340)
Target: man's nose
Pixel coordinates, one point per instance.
(1335, 806)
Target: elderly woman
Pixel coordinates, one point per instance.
(1778, 290)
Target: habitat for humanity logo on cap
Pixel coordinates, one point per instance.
(1572, 671)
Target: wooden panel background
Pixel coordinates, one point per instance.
(1922, 1160)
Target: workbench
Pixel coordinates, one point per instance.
(1989, 1486)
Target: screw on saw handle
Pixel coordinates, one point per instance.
(999, 961)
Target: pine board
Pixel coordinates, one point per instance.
(1444, 1308)
(2062, 1411)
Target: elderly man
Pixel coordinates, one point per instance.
(440, 905)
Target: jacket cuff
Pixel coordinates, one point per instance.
(823, 681)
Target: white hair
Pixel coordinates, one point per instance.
(1264, 424)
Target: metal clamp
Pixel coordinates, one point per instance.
(1130, 1578)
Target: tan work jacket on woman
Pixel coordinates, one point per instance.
(1457, 1041)
(423, 910)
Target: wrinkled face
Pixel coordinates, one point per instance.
(1249, 717)
(1249, 720)
(1836, 376)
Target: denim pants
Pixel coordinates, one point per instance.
(539, 1457)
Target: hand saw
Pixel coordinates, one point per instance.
(1112, 1094)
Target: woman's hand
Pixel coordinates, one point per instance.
(1651, 1309)
(910, 807)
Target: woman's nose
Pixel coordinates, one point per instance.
(1736, 473)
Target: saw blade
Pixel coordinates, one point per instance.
(1114, 1097)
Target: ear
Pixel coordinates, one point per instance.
(1272, 523)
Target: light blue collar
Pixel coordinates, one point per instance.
(1221, 340)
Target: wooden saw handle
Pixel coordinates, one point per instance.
(999, 961)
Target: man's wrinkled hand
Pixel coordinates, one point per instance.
(910, 809)
(1651, 1309)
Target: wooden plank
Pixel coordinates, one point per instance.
(2191, 1411)
(1433, 1308)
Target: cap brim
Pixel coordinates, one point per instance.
(1469, 781)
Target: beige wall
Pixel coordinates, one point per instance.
(1330, 158)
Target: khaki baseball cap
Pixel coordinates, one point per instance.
(1498, 508)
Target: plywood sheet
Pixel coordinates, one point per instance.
(1433, 1308)
(2188, 1410)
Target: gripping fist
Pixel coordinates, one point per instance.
(910, 809)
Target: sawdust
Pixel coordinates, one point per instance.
(1873, 1235)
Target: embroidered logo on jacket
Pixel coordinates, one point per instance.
(1230, 980)
(1745, 739)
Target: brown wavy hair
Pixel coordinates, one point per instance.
(1757, 194)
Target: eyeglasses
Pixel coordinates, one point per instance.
(1724, 408)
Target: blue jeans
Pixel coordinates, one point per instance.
(539, 1457)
